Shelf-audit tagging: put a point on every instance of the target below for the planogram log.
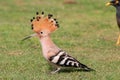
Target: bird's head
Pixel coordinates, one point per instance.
(43, 25)
(114, 3)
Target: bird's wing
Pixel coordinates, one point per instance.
(64, 60)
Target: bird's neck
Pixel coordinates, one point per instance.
(48, 45)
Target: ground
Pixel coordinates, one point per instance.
(88, 31)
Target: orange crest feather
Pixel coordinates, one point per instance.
(40, 22)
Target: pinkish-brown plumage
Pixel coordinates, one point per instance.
(48, 47)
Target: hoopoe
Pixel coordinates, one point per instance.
(43, 27)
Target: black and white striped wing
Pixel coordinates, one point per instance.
(63, 59)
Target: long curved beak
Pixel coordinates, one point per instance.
(27, 37)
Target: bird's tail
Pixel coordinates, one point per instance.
(85, 68)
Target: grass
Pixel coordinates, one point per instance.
(88, 31)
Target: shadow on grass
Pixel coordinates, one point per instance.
(74, 70)
(69, 70)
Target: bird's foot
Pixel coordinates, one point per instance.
(118, 41)
(53, 72)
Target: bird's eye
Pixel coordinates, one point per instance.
(41, 32)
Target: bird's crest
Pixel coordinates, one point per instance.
(41, 22)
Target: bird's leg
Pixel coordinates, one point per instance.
(118, 40)
(58, 69)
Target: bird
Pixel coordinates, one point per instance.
(116, 4)
(43, 26)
